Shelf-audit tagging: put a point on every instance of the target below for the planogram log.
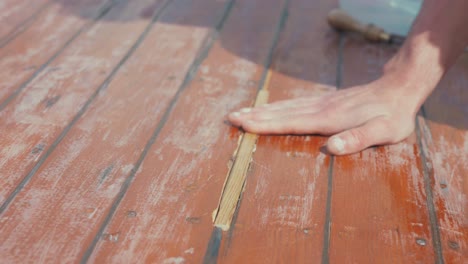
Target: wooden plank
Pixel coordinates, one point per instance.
(38, 116)
(16, 15)
(445, 141)
(282, 212)
(177, 187)
(58, 214)
(25, 56)
(378, 204)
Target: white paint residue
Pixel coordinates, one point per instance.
(91, 215)
(242, 69)
(444, 153)
(398, 154)
(417, 183)
(11, 152)
(127, 168)
(389, 237)
(50, 80)
(177, 260)
(304, 171)
(189, 251)
(212, 85)
(200, 130)
(298, 154)
(261, 185)
(319, 160)
(265, 215)
(205, 69)
(307, 205)
(73, 150)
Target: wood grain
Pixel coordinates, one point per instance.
(379, 210)
(445, 141)
(56, 216)
(282, 212)
(180, 181)
(17, 15)
(36, 118)
(25, 55)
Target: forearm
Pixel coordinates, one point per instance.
(438, 37)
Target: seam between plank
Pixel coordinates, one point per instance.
(436, 240)
(327, 225)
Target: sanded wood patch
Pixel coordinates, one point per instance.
(234, 183)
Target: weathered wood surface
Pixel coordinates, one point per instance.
(17, 15)
(33, 121)
(24, 56)
(179, 184)
(115, 148)
(33, 223)
(445, 140)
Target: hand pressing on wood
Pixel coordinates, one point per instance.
(357, 117)
(383, 111)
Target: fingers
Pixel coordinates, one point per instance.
(375, 132)
(276, 110)
(293, 124)
(311, 118)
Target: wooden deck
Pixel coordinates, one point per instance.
(115, 146)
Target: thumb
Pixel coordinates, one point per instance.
(375, 132)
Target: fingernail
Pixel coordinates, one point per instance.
(235, 114)
(338, 143)
(245, 110)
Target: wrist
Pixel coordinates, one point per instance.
(414, 72)
(407, 90)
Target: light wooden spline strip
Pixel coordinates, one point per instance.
(234, 183)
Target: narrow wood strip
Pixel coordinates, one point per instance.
(236, 177)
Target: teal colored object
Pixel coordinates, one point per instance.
(394, 16)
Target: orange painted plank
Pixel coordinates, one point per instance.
(445, 134)
(71, 194)
(378, 206)
(40, 113)
(52, 29)
(282, 212)
(16, 14)
(166, 214)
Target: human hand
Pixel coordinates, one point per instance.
(357, 117)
